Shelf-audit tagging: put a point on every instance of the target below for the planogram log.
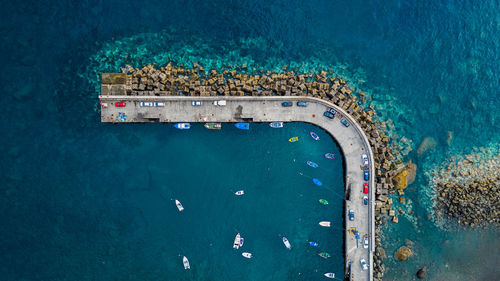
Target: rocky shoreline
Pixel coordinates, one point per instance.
(391, 174)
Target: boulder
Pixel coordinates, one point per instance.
(422, 273)
(403, 253)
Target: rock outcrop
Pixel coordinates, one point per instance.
(403, 253)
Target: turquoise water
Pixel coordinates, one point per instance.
(83, 198)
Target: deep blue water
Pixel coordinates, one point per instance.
(85, 199)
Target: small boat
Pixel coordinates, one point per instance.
(330, 275)
(323, 201)
(242, 240)
(287, 243)
(243, 126)
(240, 192)
(312, 164)
(276, 125)
(247, 255)
(294, 139)
(324, 255)
(325, 223)
(236, 244)
(186, 263)
(330, 156)
(314, 136)
(317, 182)
(213, 126)
(182, 126)
(314, 244)
(179, 205)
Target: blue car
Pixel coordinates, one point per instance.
(365, 200)
(366, 175)
(286, 104)
(329, 115)
(351, 215)
(332, 111)
(302, 103)
(344, 122)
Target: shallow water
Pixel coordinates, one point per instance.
(431, 67)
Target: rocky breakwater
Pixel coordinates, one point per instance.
(196, 81)
(467, 189)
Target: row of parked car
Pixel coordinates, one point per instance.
(299, 103)
(331, 113)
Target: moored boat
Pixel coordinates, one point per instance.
(325, 223)
(185, 261)
(330, 275)
(314, 136)
(236, 244)
(182, 126)
(317, 182)
(330, 156)
(240, 192)
(213, 126)
(294, 139)
(312, 164)
(247, 255)
(314, 244)
(242, 125)
(276, 124)
(324, 255)
(323, 201)
(242, 240)
(179, 205)
(287, 243)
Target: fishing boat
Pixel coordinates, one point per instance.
(325, 223)
(247, 255)
(242, 125)
(186, 263)
(323, 201)
(236, 244)
(330, 275)
(287, 243)
(213, 126)
(239, 192)
(312, 164)
(324, 255)
(314, 136)
(294, 139)
(182, 126)
(314, 244)
(330, 156)
(179, 205)
(317, 182)
(276, 125)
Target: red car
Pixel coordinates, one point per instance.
(365, 188)
(120, 104)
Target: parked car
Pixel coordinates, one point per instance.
(104, 105)
(365, 242)
(196, 103)
(365, 188)
(364, 158)
(366, 175)
(159, 104)
(220, 102)
(286, 104)
(332, 111)
(146, 104)
(329, 115)
(344, 122)
(351, 215)
(364, 265)
(120, 104)
(365, 200)
(302, 103)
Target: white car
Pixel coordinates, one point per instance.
(159, 104)
(365, 242)
(146, 104)
(364, 158)
(220, 102)
(364, 265)
(196, 103)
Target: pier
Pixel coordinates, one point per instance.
(352, 140)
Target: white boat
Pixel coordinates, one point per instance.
(237, 241)
(242, 240)
(186, 263)
(179, 205)
(325, 223)
(240, 192)
(330, 275)
(246, 255)
(287, 243)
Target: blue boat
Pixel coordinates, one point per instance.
(182, 126)
(330, 156)
(314, 136)
(243, 126)
(276, 125)
(312, 164)
(317, 182)
(314, 244)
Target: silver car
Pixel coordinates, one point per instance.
(364, 265)
(364, 158)
(146, 104)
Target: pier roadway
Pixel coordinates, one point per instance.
(352, 140)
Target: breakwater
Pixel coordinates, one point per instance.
(390, 173)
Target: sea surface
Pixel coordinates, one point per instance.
(81, 200)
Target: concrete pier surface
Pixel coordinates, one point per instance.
(352, 140)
